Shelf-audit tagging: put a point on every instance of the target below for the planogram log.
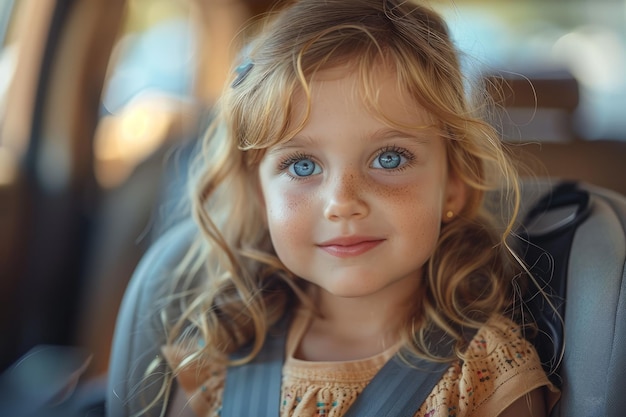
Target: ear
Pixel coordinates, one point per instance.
(455, 198)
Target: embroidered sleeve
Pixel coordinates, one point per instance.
(502, 366)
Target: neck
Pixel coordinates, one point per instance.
(356, 328)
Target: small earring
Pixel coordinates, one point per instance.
(449, 214)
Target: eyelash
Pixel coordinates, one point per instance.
(403, 152)
(286, 162)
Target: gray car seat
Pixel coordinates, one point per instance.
(584, 228)
(594, 337)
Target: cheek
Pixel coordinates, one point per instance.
(416, 216)
(414, 203)
(287, 214)
(420, 218)
(284, 207)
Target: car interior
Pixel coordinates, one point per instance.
(103, 103)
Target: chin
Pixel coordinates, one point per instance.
(350, 287)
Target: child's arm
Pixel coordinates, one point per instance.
(531, 405)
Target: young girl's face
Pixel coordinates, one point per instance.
(353, 204)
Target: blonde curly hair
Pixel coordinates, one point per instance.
(243, 287)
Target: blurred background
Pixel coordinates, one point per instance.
(102, 102)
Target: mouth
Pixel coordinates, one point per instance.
(346, 247)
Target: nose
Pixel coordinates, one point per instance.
(344, 198)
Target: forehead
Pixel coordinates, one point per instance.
(376, 90)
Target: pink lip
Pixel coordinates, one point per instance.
(346, 247)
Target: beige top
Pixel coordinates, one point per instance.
(502, 367)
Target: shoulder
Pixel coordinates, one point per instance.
(500, 367)
(499, 336)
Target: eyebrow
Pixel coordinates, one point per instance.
(391, 133)
(383, 134)
(294, 142)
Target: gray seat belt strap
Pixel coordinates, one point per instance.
(253, 389)
(402, 385)
(397, 390)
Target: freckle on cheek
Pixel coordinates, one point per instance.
(402, 191)
(293, 204)
(395, 193)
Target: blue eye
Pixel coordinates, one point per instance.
(389, 160)
(304, 168)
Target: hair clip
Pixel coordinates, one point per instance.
(242, 72)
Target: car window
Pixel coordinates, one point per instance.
(6, 10)
(584, 38)
(8, 59)
(149, 86)
(23, 33)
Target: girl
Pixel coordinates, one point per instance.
(343, 187)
